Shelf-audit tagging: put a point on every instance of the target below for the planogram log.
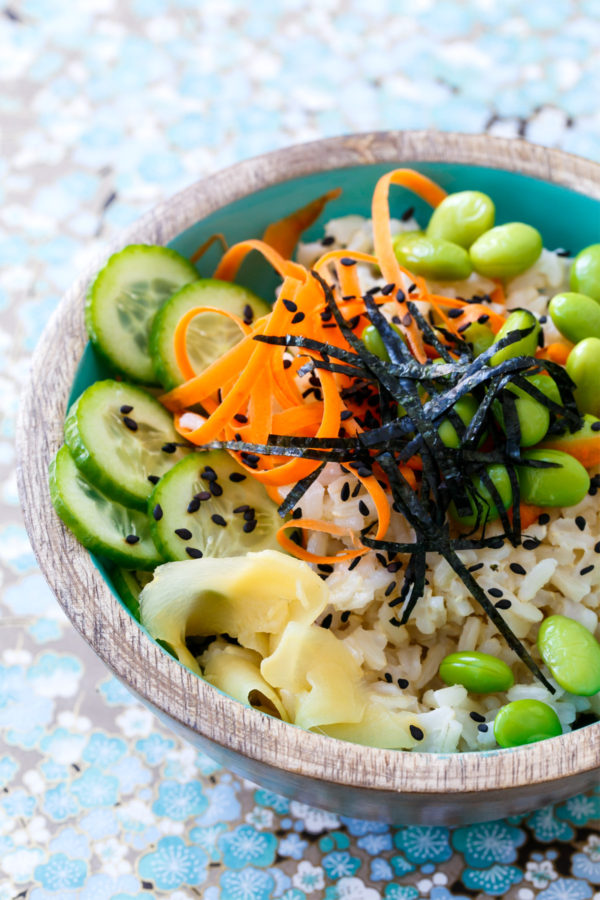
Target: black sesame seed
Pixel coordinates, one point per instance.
(580, 522)
(543, 319)
(168, 448)
(202, 495)
(287, 363)
(455, 313)
(408, 214)
(402, 683)
(388, 677)
(193, 505)
(518, 569)
(349, 297)
(237, 476)
(241, 418)
(417, 733)
(345, 615)
(476, 567)
(347, 261)
(483, 727)
(357, 559)
(597, 547)
(595, 426)
(126, 409)
(531, 544)
(543, 519)
(249, 513)
(381, 559)
(132, 538)
(477, 717)
(248, 312)
(400, 296)
(356, 490)
(586, 570)
(184, 533)
(412, 288)
(326, 623)
(346, 414)
(130, 423)
(495, 592)
(345, 492)
(483, 319)
(297, 513)
(394, 567)
(503, 604)
(193, 552)
(325, 567)
(157, 512)
(464, 327)
(215, 489)
(407, 320)
(328, 240)
(218, 520)
(363, 508)
(387, 289)
(153, 479)
(208, 474)
(250, 526)
(290, 305)
(298, 318)
(391, 586)
(242, 509)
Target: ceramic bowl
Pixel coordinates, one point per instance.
(560, 195)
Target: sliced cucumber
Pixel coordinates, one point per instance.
(121, 437)
(209, 334)
(124, 298)
(183, 523)
(129, 587)
(104, 527)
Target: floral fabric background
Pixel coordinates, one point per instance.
(106, 106)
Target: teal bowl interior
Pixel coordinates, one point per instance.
(566, 220)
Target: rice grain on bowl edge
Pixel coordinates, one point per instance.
(555, 570)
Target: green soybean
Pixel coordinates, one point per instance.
(432, 258)
(546, 386)
(585, 272)
(534, 418)
(525, 722)
(479, 672)
(572, 654)
(374, 342)
(480, 337)
(583, 365)
(465, 407)
(499, 477)
(462, 217)
(518, 320)
(563, 485)
(576, 316)
(506, 250)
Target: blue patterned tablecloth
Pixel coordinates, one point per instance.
(106, 106)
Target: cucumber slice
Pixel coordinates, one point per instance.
(116, 433)
(97, 522)
(129, 587)
(183, 523)
(124, 298)
(209, 335)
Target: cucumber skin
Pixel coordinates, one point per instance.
(91, 327)
(89, 540)
(161, 370)
(89, 467)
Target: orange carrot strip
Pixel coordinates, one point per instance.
(585, 449)
(556, 352)
(180, 337)
(498, 295)
(232, 260)
(324, 528)
(206, 246)
(283, 235)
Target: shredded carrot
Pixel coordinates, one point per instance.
(284, 234)
(498, 295)
(556, 352)
(232, 260)
(207, 245)
(585, 449)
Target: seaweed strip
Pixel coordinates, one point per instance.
(298, 491)
(428, 333)
(416, 585)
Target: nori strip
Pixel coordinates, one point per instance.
(298, 491)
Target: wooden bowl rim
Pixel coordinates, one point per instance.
(168, 687)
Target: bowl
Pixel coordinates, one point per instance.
(558, 193)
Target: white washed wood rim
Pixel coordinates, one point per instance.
(107, 626)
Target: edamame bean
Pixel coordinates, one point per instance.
(585, 272)
(480, 337)
(524, 722)
(576, 316)
(374, 342)
(572, 654)
(583, 365)
(534, 418)
(479, 672)
(518, 320)
(563, 485)
(432, 257)
(546, 386)
(462, 217)
(465, 407)
(488, 510)
(506, 250)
